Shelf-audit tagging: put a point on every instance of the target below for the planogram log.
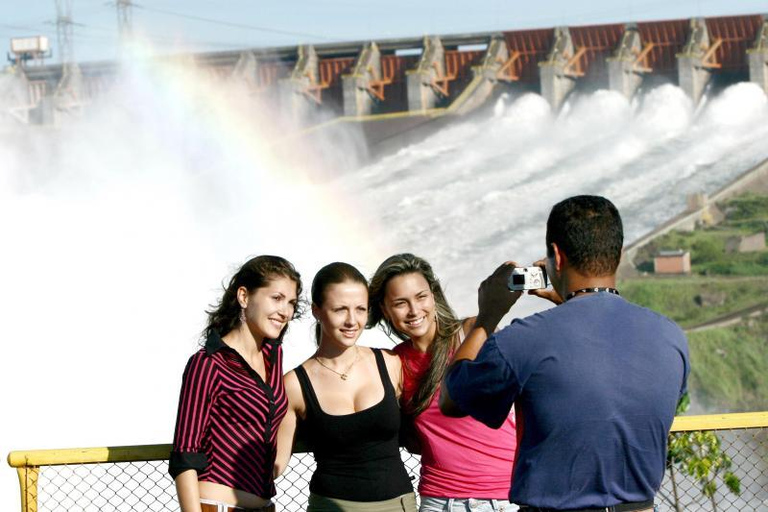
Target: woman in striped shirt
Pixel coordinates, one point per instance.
(232, 395)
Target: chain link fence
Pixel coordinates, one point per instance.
(703, 481)
(145, 485)
(122, 486)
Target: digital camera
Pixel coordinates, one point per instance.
(527, 278)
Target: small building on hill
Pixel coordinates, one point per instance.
(672, 262)
(749, 243)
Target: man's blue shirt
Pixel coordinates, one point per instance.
(597, 381)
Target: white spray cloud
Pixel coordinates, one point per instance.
(118, 227)
(479, 193)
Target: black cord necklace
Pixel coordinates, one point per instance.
(595, 289)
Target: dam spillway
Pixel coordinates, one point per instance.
(456, 73)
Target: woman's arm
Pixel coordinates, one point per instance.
(188, 491)
(466, 325)
(188, 455)
(286, 434)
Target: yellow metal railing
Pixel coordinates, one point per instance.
(135, 477)
(731, 421)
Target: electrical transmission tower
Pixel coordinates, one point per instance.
(64, 31)
(68, 90)
(124, 18)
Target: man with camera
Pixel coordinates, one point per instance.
(595, 380)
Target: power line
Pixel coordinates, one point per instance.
(231, 24)
(160, 40)
(149, 37)
(19, 27)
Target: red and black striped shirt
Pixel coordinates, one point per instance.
(226, 428)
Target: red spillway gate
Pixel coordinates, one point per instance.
(732, 36)
(593, 45)
(393, 81)
(526, 49)
(736, 35)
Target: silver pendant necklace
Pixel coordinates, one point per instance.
(345, 374)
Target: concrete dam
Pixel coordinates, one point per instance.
(405, 83)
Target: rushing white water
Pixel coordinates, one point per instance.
(478, 193)
(119, 225)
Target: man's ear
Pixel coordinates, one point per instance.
(560, 258)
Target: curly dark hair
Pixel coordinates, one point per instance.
(255, 273)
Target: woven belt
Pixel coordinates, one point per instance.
(621, 507)
(209, 507)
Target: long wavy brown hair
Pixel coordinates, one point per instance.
(448, 325)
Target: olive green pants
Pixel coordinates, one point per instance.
(404, 503)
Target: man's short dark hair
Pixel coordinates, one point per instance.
(588, 230)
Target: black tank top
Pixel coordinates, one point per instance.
(357, 454)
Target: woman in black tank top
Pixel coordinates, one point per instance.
(346, 398)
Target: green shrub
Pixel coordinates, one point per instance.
(709, 249)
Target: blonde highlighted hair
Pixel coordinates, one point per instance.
(448, 325)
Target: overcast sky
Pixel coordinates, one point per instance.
(210, 25)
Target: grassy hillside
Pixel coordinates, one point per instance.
(694, 300)
(745, 215)
(730, 364)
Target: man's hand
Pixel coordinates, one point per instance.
(494, 298)
(546, 293)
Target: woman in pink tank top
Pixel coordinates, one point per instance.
(465, 466)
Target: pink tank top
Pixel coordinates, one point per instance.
(460, 457)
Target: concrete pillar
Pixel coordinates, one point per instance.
(295, 91)
(556, 79)
(357, 86)
(68, 94)
(758, 58)
(692, 72)
(18, 98)
(495, 57)
(625, 73)
(421, 92)
(247, 69)
(485, 76)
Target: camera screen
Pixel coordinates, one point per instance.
(518, 279)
